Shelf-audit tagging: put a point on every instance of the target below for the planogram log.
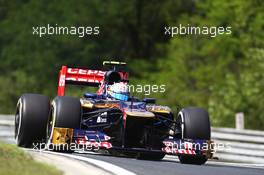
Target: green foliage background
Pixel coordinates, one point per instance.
(222, 74)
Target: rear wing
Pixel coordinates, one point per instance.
(114, 65)
(79, 76)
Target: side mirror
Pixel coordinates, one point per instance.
(149, 100)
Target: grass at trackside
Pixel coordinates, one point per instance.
(14, 161)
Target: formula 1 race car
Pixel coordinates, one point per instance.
(111, 120)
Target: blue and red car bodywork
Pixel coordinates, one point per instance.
(125, 126)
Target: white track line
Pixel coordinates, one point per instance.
(230, 164)
(101, 164)
(220, 163)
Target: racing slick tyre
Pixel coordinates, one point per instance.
(195, 124)
(31, 119)
(65, 113)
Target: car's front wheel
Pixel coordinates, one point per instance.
(195, 124)
(31, 118)
(65, 116)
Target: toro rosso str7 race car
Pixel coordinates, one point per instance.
(111, 120)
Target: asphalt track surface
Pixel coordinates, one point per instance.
(168, 166)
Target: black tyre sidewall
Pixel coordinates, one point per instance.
(34, 117)
(67, 112)
(196, 123)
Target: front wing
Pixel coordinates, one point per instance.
(95, 140)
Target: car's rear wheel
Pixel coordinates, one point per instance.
(31, 119)
(195, 124)
(65, 113)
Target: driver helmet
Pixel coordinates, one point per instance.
(118, 91)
